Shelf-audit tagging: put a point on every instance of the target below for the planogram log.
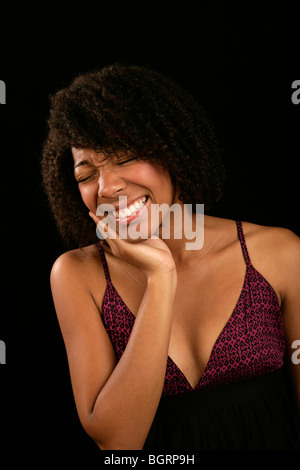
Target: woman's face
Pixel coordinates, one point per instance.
(103, 180)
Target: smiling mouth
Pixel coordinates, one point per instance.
(132, 211)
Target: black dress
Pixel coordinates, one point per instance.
(256, 414)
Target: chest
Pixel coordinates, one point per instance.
(204, 302)
(202, 308)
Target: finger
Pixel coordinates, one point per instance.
(105, 228)
(94, 217)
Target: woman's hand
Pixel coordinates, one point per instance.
(151, 256)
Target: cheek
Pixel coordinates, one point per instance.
(162, 185)
(153, 175)
(89, 197)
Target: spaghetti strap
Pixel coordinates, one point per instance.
(104, 262)
(243, 242)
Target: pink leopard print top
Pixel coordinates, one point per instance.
(251, 343)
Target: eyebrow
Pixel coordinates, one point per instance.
(82, 162)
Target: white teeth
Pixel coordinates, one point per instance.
(131, 209)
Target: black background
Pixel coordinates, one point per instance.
(238, 61)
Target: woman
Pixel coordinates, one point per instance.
(168, 347)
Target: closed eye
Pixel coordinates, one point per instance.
(125, 161)
(81, 180)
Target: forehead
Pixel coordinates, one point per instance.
(86, 155)
(96, 157)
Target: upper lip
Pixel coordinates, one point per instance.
(117, 207)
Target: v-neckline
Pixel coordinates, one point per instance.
(215, 343)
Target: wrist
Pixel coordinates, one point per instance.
(163, 278)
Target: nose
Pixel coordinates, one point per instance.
(110, 184)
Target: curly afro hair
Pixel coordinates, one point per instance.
(130, 109)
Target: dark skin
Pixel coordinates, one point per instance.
(157, 279)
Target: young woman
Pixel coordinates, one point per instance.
(168, 347)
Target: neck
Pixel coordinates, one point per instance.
(186, 236)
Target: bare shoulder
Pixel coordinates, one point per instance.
(74, 262)
(79, 270)
(277, 241)
(275, 251)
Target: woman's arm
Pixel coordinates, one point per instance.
(116, 402)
